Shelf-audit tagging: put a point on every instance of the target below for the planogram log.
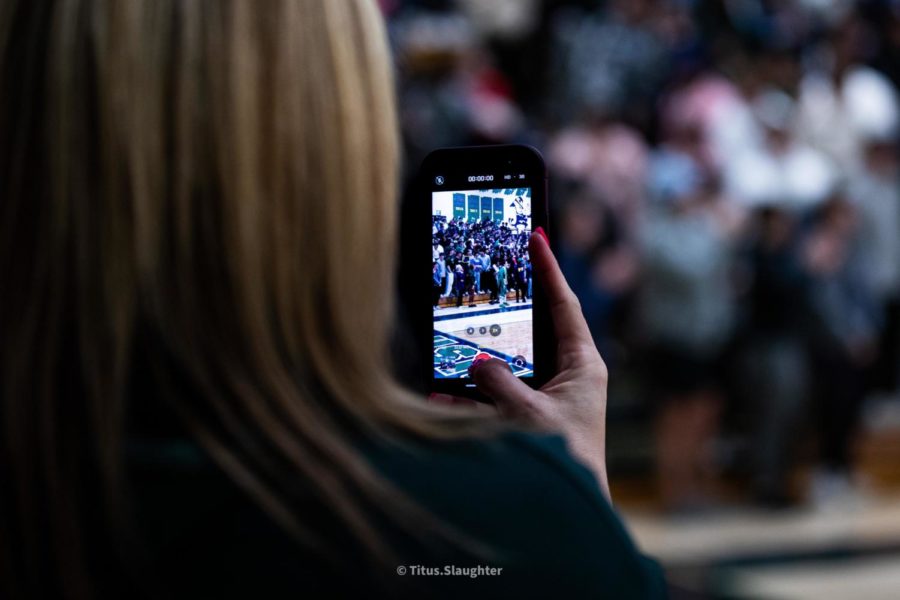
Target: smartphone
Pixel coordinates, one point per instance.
(486, 298)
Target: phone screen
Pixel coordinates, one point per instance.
(482, 286)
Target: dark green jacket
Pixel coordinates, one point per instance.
(551, 531)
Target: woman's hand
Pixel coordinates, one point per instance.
(573, 403)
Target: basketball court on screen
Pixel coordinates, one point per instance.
(461, 334)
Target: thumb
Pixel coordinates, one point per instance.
(495, 379)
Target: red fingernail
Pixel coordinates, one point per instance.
(540, 231)
(475, 364)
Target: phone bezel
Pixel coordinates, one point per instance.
(455, 165)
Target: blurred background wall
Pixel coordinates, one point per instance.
(726, 204)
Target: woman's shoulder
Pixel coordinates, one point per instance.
(525, 495)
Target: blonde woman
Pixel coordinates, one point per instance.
(192, 404)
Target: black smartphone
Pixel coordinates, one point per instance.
(486, 298)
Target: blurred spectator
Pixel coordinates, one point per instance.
(842, 101)
(875, 192)
(843, 344)
(773, 369)
(609, 158)
(779, 168)
(612, 61)
(686, 316)
(595, 250)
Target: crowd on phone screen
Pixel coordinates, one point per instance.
(726, 201)
(477, 259)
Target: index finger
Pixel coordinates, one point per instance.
(565, 309)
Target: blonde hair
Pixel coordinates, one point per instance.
(218, 177)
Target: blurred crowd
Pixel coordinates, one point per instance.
(725, 203)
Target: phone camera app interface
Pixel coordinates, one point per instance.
(481, 280)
